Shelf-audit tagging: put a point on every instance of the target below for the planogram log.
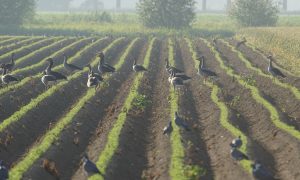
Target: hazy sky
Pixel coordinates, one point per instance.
(211, 4)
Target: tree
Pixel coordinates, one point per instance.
(254, 12)
(166, 13)
(53, 5)
(15, 12)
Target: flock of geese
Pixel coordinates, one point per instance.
(177, 78)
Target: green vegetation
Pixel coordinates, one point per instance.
(141, 102)
(293, 89)
(283, 42)
(157, 13)
(178, 170)
(22, 41)
(112, 142)
(274, 116)
(15, 12)
(254, 12)
(35, 102)
(51, 136)
(26, 47)
(224, 113)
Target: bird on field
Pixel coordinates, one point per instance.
(104, 67)
(49, 71)
(273, 70)
(168, 129)
(70, 67)
(89, 167)
(7, 78)
(9, 66)
(3, 171)
(138, 67)
(175, 81)
(204, 71)
(93, 74)
(47, 79)
(215, 41)
(171, 69)
(243, 41)
(184, 78)
(237, 155)
(260, 172)
(181, 123)
(237, 142)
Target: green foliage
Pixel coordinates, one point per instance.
(15, 12)
(255, 12)
(194, 172)
(166, 13)
(141, 101)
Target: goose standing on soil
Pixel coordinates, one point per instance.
(49, 71)
(3, 171)
(46, 79)
(181, 123)
(104, 67)
(243, 41)
(184, 78)
(175, 81)
(204, 71)
(93, 74)
(7, 78)
(138, 67)
(237, 155)
(171, 69)
(70, 67)
(9, 66)
(168, 129)
(90, 167)
(236, 143)
(274, 71)
(260, 172)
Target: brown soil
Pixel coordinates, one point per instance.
(5, 49)
(30, 127)
(80, 130)
(283, 99)
(280, 151)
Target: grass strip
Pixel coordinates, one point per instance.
(35, 102)
(22, 48)
(293, 89)
(51, 136)
(274, 115)
(57, 41)
(11, 47)
(12, 39)
(113, 136)
(27, 79)
(224, 113)
(177, 167)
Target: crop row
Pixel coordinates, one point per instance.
(293, 89)
(30, 68)
(35, 102)
(224, 112)
(48, 139)
(114, 135)
(12, 40)
(274, 115)
(23, 48)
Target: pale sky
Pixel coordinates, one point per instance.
(211, 4)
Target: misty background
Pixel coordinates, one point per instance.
(212, 5)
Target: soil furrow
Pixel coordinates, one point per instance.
(280, 151)
(210, 141)
(30, 128)
(287, 105)
(16, 99)
(259, 61)
(75, 138)
(135, 133)
(7, 49)
(13, 40)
